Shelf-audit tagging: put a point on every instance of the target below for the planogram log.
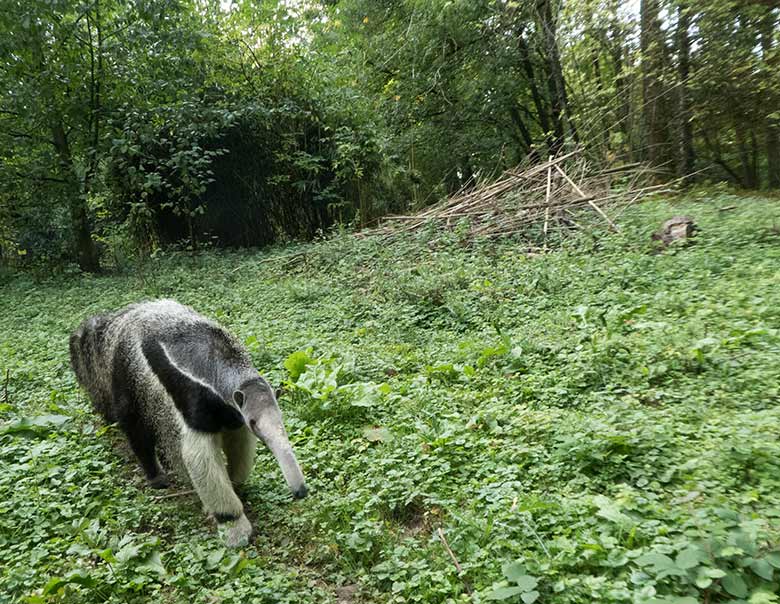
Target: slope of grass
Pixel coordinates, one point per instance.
(596, 424)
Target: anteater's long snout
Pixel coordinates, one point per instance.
(275, 438)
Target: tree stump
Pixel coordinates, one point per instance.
(677, 228)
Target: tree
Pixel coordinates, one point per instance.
(53, 104)
(686, 155)
(654, 93)
(772, 97)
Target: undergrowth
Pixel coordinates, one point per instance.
(597, 424)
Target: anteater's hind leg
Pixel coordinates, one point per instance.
(205, 463)
(143, 442)
(126, 407)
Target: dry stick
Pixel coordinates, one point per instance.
(459, 568)
(494, 213)
(170, 495)
(630, 203)
(662, 188)
(542, 167)
(590, 202)
(547, 202)
(618, 169)
(571, 219)
(521, 209)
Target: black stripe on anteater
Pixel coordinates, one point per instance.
(200, 406)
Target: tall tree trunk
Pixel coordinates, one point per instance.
(86, 252)
(771, 124)
(746, 158)
(622, 89)
(84, 247)
(556, 82)
(717, 156)
(754, 155)
(686, 160)
(656, 117)
(536, 95)
(525, 133)
(606, 126)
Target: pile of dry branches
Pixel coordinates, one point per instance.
(534, 198)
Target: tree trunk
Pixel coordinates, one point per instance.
(755, 175)
(686, 160)
(86, 252)
(748, 166)
(771, 125)
(717, 156)
(556, 82)
(605, 123)
(84, 247)
(622, 89)
(656, 116)
(536, 96)
(528, 142)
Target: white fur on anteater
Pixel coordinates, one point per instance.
(185, 393)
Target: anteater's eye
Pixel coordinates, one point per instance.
(238, 397)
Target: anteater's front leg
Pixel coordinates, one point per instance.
(205, 463)
(239, 446)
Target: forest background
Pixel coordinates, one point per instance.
(125, 126)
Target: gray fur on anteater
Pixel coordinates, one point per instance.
(185, 393)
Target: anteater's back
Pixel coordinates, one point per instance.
(108, 359)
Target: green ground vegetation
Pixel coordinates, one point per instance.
(596, 424)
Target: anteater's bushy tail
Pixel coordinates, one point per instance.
(88, 363)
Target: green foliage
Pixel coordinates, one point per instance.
(522, 586)
(297, 362)
(325, 386)
(160, 122)
(125, 127)
(597, 424)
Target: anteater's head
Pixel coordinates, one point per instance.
(257, 403)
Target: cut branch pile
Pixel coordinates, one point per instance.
(534, 198)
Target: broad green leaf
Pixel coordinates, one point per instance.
(296, 363)
(376, 434)
(214, 557)
(762, 596)
(735, 585)
(53, 585)
(108, 555)
(762, 568)
(513, 571)
(526, 582)
(689, 558)
(234, 564)
(655, 559)
(703, 581)
(773, 558)
(36, 425)
(128, 552)
(715, 573)
(152, 563)
(610, 510)
(530, 597)
(504, 593)
(78, 576)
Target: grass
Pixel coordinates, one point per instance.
(600, 423)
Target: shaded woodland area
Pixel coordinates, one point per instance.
(125, 126)
(511, 267)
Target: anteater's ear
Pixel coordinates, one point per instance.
(238, 398)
